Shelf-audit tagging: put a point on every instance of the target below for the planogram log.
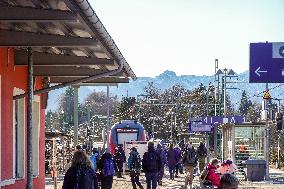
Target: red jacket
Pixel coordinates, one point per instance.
(213, 176)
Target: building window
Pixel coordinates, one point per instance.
(36, 135)
(19, 136)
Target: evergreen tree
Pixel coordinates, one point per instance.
(245, 104)
(66, 107)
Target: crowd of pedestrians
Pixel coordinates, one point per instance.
(98, 170)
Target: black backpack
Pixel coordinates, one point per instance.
(85, 178)
(190, 156)
(152, 161)
(202, 152)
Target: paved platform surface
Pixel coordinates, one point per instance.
(276, 182)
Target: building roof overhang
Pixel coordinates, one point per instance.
(68, 41)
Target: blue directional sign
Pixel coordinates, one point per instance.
(266, 63)
(216, 120)
(196, 126)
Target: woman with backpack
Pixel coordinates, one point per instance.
(81, 174)
(134, 165)
(106, 167)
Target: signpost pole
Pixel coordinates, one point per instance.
(108, 118)
(225, 92)
(266, 149)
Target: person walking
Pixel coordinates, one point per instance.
(190, 161)
(178, 166)
(201, 156)
(171, 160)
(94, 158)
(161, 152)
(81, 174)
(119, 158)
(151, 164)
(106, 167)
(134, 165)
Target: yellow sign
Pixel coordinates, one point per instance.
(266, 95)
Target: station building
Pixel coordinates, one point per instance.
(46, 45)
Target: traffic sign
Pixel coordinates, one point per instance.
(216, 120)
(266, 63)
(266, 95)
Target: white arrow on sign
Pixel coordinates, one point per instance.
(258, 71)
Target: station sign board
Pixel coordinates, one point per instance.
(266, 63)
(196, 126)
(217, 120)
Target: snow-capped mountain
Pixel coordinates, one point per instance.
(169, 78)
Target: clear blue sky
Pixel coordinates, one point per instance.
(186, 36)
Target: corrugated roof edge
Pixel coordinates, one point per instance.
(106, 39)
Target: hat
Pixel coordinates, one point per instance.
(134, 149)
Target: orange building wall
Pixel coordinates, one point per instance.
(16, 77)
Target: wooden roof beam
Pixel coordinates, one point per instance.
(47, 59)
(29, 14)
(29, 39)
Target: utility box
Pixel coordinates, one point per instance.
(255, 169)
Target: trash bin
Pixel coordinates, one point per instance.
(255, 169)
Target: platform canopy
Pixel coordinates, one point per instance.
(68, 40)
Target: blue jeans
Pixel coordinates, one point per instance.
(151, 180)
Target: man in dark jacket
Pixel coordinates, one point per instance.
(106, 162)
(201, 156)
(119, 158)
(161, 152)
(190, 161)
(151, 164)
(171, 160)
(134, 165)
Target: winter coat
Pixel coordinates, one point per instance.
(131, 165)
(149, 165)
(185, 158)
(178, 155)
(171, 157)
(85, 182)
(213, 176)
(106, 179)
(201, 151)
(94, 159)
(162, 154)
(119, 156)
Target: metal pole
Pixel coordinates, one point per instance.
(30, 121)
(266, 149)
(218, 96)
(108, 117)
(76, 115)
(207, 107)
(171, 127)
(225, 92)
(278, 151)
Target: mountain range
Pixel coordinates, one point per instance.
(169, 78)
